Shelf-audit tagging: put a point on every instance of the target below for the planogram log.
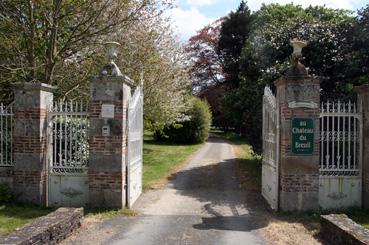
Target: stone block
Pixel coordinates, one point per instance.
(29, 161)
(299, 201)
(50, 229)
(106, 163)
(340, 229)
(107, 198)
(6, 176)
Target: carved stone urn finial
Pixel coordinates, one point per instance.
(111, 69)
(297, 45)
(297, 68)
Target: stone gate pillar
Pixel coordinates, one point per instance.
(298, 98)
(110, 93)
(31, 104)
(363, 101)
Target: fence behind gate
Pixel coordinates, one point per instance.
(6, 136)
(68, 154)
(340, 155)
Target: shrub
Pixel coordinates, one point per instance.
(193, 130)
(5, 193)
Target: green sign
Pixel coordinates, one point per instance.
(302, 136)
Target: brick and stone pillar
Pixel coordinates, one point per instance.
(31, 104)
(298, 99)
(108, 139)
(363, 101)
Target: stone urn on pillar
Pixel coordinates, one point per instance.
(298, 103)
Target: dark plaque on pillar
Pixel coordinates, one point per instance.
(302, 136)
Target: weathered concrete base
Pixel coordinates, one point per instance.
(50, 229)
(6, 176)
(106, 198)
(298, 201)
(339, 229)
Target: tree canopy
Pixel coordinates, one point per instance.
(255, 51)
(58, 42)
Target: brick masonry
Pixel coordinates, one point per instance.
(31, 104)
(298, 174)
(105, 180)
(299, 182)
(106, 172)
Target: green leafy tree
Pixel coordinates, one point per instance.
(194, 129)
(266, 52)
(235, 30)
(59, 42)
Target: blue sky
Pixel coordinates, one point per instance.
(192, 15)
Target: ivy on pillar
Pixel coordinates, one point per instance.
(31, 104)
(110, 92)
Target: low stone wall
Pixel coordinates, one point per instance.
(49, 229)
(340, 229)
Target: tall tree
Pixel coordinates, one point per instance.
(234, 32)
(206, 68)
(59, 42)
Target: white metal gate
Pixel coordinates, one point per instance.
(6, 135)
(340, 155)
(135, 140)
(270, 149)
(68, 152)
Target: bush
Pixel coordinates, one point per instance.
(194, 130)
(5, 193)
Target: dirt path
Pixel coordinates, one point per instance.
(203, 204)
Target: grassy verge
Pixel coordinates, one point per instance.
(249, 163)
(103, 214)
(13, 216)
(161, 159)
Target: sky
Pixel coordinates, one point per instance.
(191, 15)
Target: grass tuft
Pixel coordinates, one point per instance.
(13, 216)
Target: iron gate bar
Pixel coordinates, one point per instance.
(340, 143)
(6, 134)
(69, 131)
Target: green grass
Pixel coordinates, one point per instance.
(13, 216)
(161, 158)
(249, 162)
(360, 216)
(104, 214)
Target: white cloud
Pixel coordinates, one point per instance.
(187, 22)
(200, 2)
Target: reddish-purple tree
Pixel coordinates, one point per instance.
(206, 69)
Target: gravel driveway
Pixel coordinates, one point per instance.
(202, 205)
